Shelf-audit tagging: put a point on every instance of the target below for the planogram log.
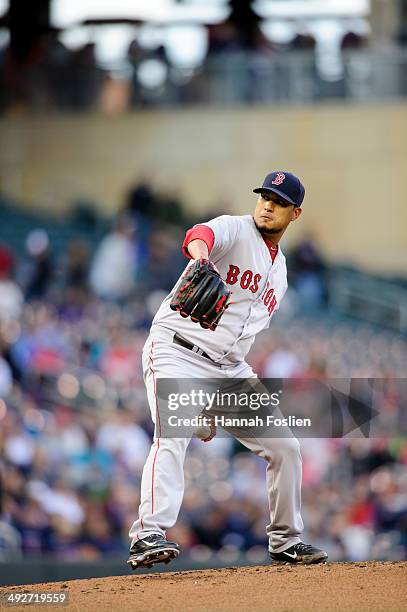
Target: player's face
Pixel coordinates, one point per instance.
(272, 214)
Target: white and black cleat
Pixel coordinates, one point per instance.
(300, 554)
(151, 550)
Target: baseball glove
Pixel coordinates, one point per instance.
(201, 295)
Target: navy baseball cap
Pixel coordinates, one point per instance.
(284, 184)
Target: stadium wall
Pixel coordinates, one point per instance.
(351, 158)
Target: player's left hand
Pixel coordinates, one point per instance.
(201, 295)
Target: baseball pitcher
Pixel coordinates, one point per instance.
(201, 331)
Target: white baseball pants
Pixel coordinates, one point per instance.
(162, 484)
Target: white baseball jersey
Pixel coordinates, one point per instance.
(244, 262)
(257, 285)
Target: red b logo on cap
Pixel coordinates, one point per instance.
(279, 178)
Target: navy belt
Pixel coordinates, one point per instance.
(177, 339)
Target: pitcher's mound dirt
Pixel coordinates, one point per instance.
(350, 587)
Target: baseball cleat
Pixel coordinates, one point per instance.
(151, 550)
(300, 553)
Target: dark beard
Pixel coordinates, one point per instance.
(270, 232)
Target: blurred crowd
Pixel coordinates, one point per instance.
(75, 427)
(53, 76)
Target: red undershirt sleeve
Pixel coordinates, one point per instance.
(198, 232)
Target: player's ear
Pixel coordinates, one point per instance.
(296, 213)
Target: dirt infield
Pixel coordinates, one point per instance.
(354, 587)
